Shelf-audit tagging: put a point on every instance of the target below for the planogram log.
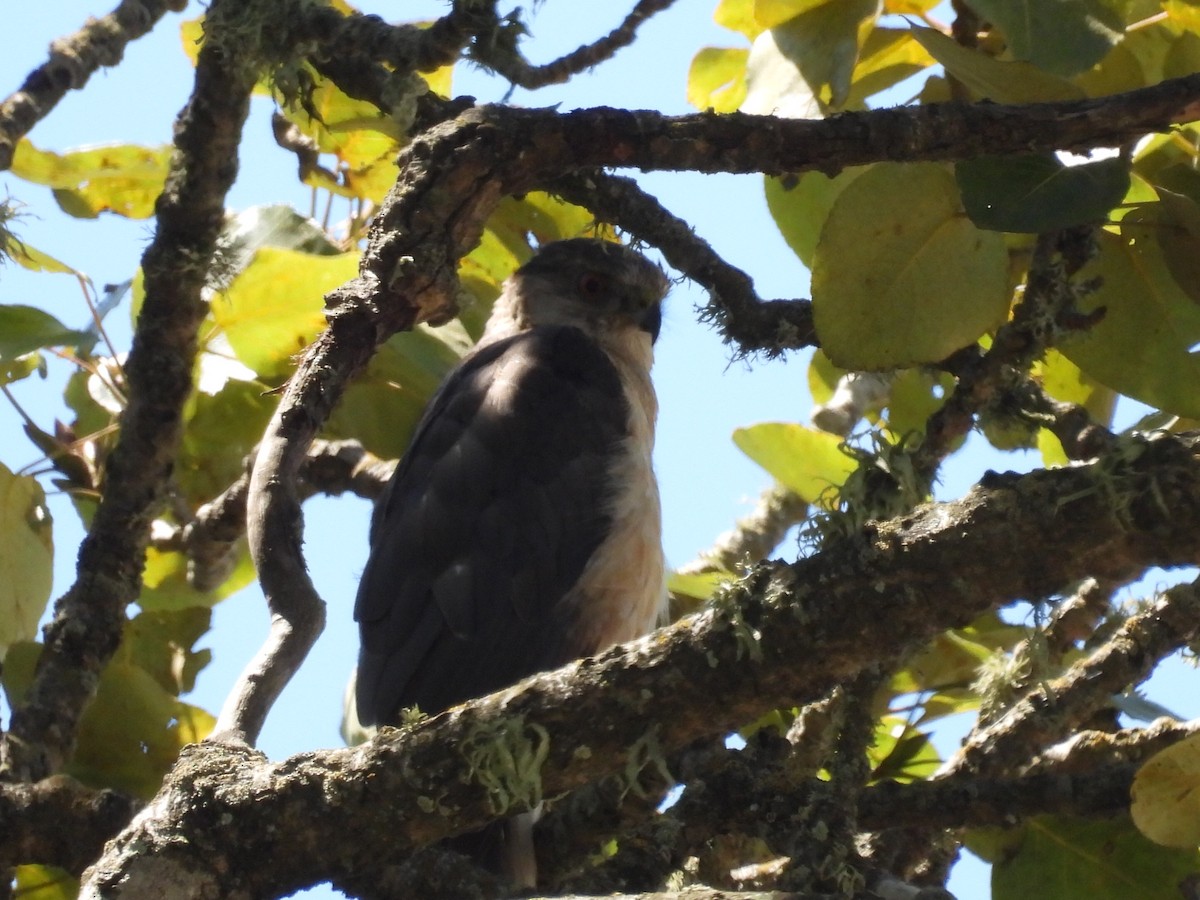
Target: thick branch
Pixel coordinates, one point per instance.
(59, 822)
(73, 59)
(859, 603)
(87, 623)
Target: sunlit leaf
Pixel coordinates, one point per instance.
(700, 586)
(33, 259)
(165, 586)
(1142, 346)
(1065, 381)
(1060, 36)
(26, 557)
(45, 883)
(220, 432)
(800, 204)
(993, 79)
(807, 461)
(888, 56)
(737, 15)
(275, 307)
(900, 275)
(820, 46)
(1075, 859)
(717, 79)
(1037, 193)
(125, 179)
(901, 752)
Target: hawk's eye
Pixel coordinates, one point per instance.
(592, 285)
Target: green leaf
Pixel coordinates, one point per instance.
(120, 178)
(382, 407)
(161, 643)
(888, 56)
(717, 79)
(33, 259)
(275, 307)
(993, 79)
(165, 586)
(220, 432)
(1060, 36)
(1166, 795)
(901, 752)
(45, 883)
(769, 13)
(1142, 345)
(699, 586)
(1065, 381)
(132, 732)
(900, 275)
(1179, 240)
(24, 329)
(800, 205)
(26, 557)
(1184, 56)
(820, 46)
(1037, 193)
(809, 462)
(1075, 859)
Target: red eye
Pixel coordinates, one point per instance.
(592, 285)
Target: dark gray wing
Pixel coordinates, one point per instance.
(489, 520)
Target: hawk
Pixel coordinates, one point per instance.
(522, 528)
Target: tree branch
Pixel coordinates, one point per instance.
(452, 177)
(500, 53)
(59, 822)
(73, 59)
(702, 676)
(88, 619)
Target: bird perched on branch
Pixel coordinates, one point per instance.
(522, 529)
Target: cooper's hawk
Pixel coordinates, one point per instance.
(522, 528)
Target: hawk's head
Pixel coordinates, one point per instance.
(601, 287)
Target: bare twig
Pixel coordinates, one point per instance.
(499, 52)
(73, 59)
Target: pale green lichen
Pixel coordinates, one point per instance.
(506, 756)
(645, 753)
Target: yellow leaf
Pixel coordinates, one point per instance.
(275, 307)
(807, 461)
(717, 79)
(737, 15)
(125, 179)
